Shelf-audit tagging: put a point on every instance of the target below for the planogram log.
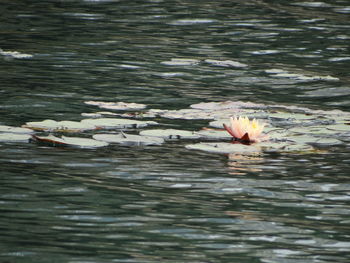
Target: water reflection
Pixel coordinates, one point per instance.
(241, 164)
(169, 204)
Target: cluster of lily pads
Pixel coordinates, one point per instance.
(289, 128)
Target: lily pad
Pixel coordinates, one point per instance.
(70, 141)
(303, 139)
(226, 105)
(187, 114)
(285, 74)
(181, 62)
(117, 105)
(14, 137)
(170, 134)
(325, 142)
(210, 134)
(219, 124)
(339, 127)
(114, 123)
(285, 147)
(61, 126)
(225, 63)
(128, 139)
(222, 147)
(11, 129)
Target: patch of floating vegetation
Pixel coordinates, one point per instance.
(59, 126)
(14, 137)
(225, 63)
(115, 123)
(171, 134)
(129, 139)
(116, 105)
(289, 128)
(279, 73)
(212, 62)
(65, 141)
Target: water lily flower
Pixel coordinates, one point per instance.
(245, 130)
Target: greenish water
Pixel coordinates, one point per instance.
(166, 203)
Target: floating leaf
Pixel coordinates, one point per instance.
(312, 130)
(70, 141)
(339, 127)
(225, 63)
(210, 134)
(113, 123)
(14, 137)
(59, 126)
(303, 139)
(325, 142)
(170, 134)
(187, 114)
(11, 129)
(128, 139)
(222, 147)
(226, 105)
(285, 147)
(218, 123)
(181, 62)
(116, 105)
(285, 74)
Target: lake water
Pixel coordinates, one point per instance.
(167, 203)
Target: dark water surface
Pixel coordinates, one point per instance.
(166, 203)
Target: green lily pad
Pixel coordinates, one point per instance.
(303, 139)
(214, 134)
(128, 139)
(314, 130)
(70, 141)
(339, 127)
(291, 116)
(324, 142)
(225, 63)
(113, 123)
(14, 137)
(285, 147)
(61, 126)
(181, 62)
(186, 114)
(233, 105)
(11, 129)
(170, 134)
(116, 105)
(226, 148)
(218, 123)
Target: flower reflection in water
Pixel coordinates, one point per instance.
(240, 164)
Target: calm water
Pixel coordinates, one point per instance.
(166, 203)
